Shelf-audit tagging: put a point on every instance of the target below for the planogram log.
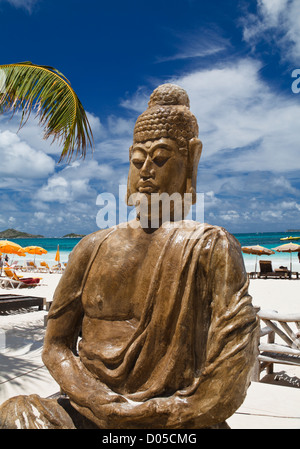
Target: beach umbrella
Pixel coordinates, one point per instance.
(20, 253)
(57, 255)
(35, 250)
(257, 250)
(288, 248)
(8, 247)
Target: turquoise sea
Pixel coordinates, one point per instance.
(50, 244)
(267, 239)
(270, 240)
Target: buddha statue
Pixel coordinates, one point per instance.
(167, 328)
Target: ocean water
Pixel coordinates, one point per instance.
(66, 245)
(266, 239)
(269, 240)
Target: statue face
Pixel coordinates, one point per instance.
(157, 167)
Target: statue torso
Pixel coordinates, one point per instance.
(116, 287)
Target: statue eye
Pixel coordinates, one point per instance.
(160, 160)
(138, 163)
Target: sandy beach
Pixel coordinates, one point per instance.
(22, 333)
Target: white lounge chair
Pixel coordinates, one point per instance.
(12, 280)
(31, 266)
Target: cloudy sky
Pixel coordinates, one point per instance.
(240, 64)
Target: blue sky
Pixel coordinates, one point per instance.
(235, 59)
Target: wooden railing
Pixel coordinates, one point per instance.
(283, 341)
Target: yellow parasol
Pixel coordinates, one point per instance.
(57, 255)
(288, 248)
(21, 253)
(8, 247)
(36, 250)
(258, 250)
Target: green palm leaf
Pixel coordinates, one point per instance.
(26, 87)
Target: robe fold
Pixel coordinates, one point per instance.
(187, 363)
(196, 334)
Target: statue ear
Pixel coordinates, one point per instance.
(128, 200)
(194, 153)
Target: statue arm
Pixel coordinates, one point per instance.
(64, 324)
(232, 314)
(232, 335)
(231, 338)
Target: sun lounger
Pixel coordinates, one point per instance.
(12, 280)
(44, 267)
(14, 265)
(56, 268)
(12, 283)
(31, 266)
(266, 271)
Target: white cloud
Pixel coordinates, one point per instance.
(74, 183)
(199, 44)
(11, 221)
(31, 133)
(26, 4)
(120, 126)
(231, 216)
(137, 102)
(290, 205)
(276, 21)
(60, 190)
(39, 215)
(98, 129)
(19, 160)
(243, 124)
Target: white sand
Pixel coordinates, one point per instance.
(22, 333)
(21, 342)
(282, 295)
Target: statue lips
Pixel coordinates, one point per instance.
(147, 187)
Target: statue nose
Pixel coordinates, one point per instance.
(147, 170)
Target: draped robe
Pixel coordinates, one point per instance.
(187, 362)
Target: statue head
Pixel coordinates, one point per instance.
(166, 150)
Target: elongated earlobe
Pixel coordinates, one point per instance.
(194, 153)
(128, 200)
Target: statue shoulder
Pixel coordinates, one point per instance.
(218, 245)
(220, 235)
(86, 246)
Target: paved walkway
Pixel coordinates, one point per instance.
(268, 406)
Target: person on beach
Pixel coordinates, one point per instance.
(168, 330)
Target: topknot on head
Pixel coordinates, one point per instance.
(169, 94)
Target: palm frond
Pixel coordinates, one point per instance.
(26, 87)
